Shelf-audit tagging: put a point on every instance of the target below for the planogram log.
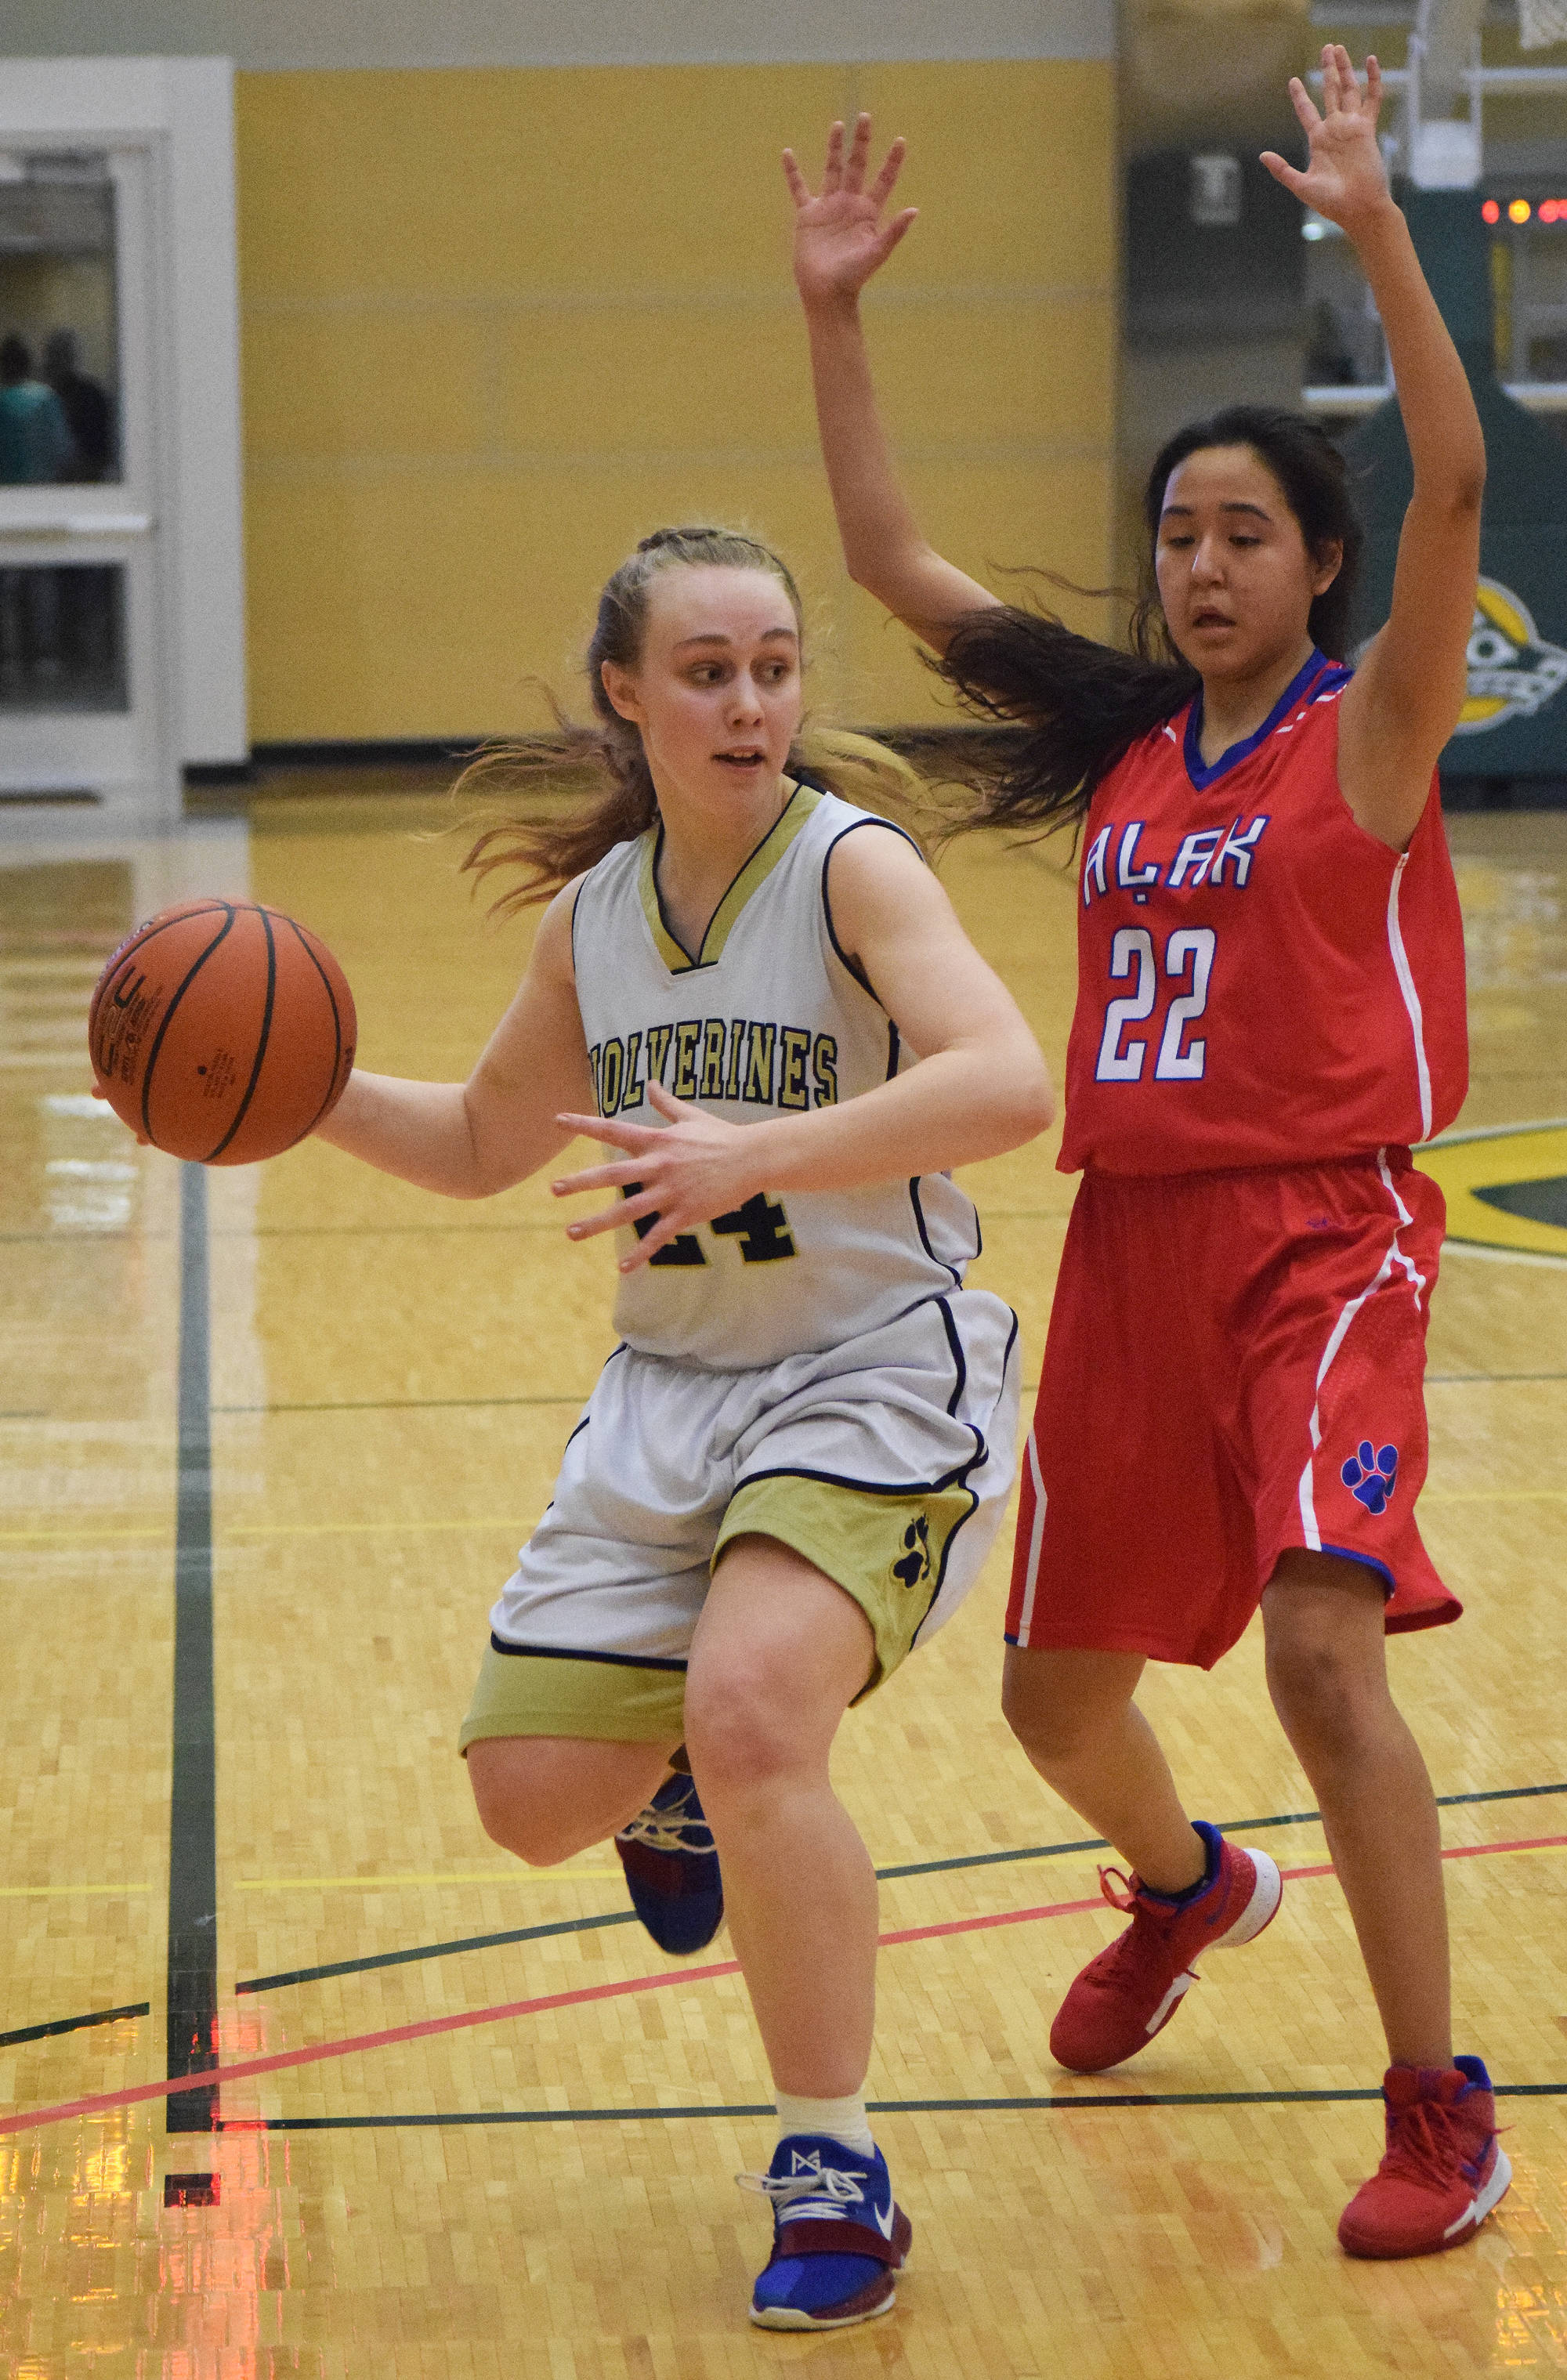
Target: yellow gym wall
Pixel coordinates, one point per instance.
(499, 323)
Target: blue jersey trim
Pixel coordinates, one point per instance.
(1367, 1561)
(1332, 675)
(575, 1653)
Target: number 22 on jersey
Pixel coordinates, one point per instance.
(1188, 962)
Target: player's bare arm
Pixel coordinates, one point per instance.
(981, 1086)
(843, 235)
(1408, 692)
(468, 1140)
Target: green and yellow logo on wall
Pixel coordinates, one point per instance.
(1514, 670)
(1505, 1186)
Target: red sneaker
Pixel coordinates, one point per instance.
(1131, 1991)
(1444, 2170)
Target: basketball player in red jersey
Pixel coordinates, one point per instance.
(1271, 1011)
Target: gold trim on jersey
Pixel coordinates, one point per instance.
(757, 867)
(887, 1551)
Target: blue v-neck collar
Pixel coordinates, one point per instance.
(1303, 682)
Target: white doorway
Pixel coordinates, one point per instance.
(121, 595)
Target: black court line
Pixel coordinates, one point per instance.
(78, 1237)
(1028, 1214)
(401, 1404)
(72, 2024)
(916, 1867)
(436, 1950)
(1498, 1248)
(1481, 1379)
(193, 1866)
(391, 1231)
(1230, 1826)
(1045, 2103)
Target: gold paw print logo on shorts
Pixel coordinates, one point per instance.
(1514, 670)
(915, 1566)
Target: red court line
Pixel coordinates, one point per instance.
(222, 2075)
(31, 2119)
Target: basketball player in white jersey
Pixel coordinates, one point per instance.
(757, 996)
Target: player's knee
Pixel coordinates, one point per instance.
(537, 1837)
(738, 1732)
(530, 1824)
(1052, 1727)
(1324, 1703)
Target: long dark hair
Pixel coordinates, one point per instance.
(1059, 709)
(601, 763)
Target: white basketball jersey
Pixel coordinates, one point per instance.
(768, 1019)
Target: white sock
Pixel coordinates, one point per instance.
(838, 2119)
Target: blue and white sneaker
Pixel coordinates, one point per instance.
(838, 2236)
(672, 1869)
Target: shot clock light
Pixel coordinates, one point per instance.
(1523, 210)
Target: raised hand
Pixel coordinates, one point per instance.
(840, 238)
(1345, 178)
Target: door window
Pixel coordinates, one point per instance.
(59, 343)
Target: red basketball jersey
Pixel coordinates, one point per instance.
(1260, 981)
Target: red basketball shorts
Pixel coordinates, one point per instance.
(1234, 1368)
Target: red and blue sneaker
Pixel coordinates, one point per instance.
(672, 1869)
(1131, 1991)
(1444, 2170)
(838, 2236)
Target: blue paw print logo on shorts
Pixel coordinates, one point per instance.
(1371, 1475)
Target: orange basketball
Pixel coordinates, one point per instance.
(223, 1031)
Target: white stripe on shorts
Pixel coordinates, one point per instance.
(1036, 1539)
(1336, 1339)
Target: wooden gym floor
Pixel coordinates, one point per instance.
(469, 2121)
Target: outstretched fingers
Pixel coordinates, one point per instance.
(844, 171)
(1342, 93)
(1373, 102)
(614, 1176)
(1332, 93)
(859, 156)
(1282, 171)
(886, 180)
(893, 233)
(633, 1138)
(1307, 113)
(1343, 172)
(641, 1209)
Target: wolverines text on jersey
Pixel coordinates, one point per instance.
(767, 1019)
